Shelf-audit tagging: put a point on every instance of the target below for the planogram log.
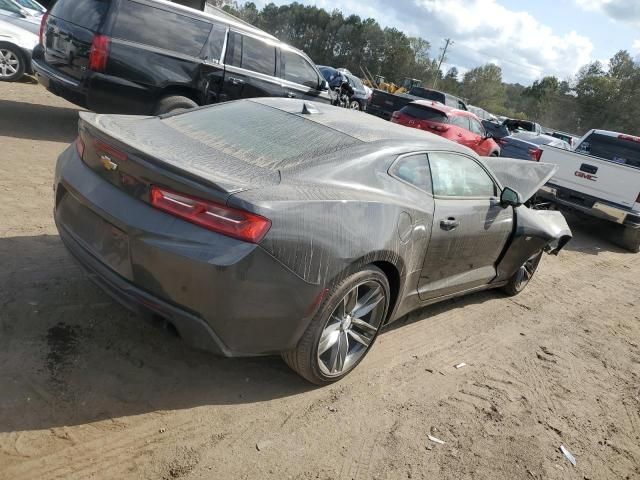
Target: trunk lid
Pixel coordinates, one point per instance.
(69, 31)
(133, 153)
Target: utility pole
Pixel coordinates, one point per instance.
(448, 42)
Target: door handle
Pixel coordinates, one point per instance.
(291, 95)
(449, 223)
(236, 81)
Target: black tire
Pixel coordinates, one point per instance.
(523, 275)
(174, 104)
(304, 359)
(11, 58)
(631, 239)
(494, 154)
(355, 105)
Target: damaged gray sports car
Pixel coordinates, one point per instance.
(276, 226)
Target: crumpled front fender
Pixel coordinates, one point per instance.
(535, 230)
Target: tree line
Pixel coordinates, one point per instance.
(598, 96)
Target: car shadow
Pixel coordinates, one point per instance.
(34, 121)
(593, 236)
(69, 355)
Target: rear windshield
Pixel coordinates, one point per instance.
(84, 13)
(519, 125)
(260, 135)
(428, 94)
(616, 149)
(424, 113)
(160, 28)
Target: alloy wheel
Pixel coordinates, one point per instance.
(9, 63)
(526, 271)
(354, 105)
(351, 328)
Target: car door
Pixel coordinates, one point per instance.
(250, 68)
(300, 79)
(470, 228)
(463, 135)
(478, 136)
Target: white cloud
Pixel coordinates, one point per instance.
(483, 31)
(626, 11)
(636, 46)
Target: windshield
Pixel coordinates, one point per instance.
(623, 149)
(31, 5)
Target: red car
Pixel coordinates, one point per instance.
(456, 125)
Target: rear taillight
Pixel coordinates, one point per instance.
(99, 53)
(501, 141)
(535, 154)
(43, 26)
(629, 138)
(80, 146)
(218, 218)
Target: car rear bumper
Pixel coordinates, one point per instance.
(222, 295)
(579, 202)
(95, 91)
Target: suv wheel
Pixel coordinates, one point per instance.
(523, 275)
(12, 64)
(343, 329)
(354, 105)
(174, 104)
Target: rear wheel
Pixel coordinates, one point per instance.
(343, 329)
(354, 105)
(631, 239)
(12, 63)
(174, 104)
(523, 275)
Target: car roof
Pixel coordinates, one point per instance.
(366, 128)
(446, 109)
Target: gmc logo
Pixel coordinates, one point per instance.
(586, 176)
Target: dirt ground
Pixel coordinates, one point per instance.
(89, 390)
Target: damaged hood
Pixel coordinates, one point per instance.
(523, 176)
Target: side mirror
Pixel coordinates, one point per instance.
(324, 85)
(510, 198)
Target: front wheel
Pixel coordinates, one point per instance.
(12, 63)
(343, 329)
(523, 275)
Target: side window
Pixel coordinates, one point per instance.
(160, 28)
(413, 169)
(461, 105)
(459, 176)
(251, 54)
(475, 127)
(296, 69)
(215, 44)
(459, 121)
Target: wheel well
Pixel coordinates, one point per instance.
(391, 272)
(179, 90)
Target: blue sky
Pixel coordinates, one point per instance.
(528, 39)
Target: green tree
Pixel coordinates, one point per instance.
(482, 86)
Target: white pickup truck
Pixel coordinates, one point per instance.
(600, 178)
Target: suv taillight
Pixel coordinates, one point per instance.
(43, 26)
(232, 222)
(535, 154)
(99, 53)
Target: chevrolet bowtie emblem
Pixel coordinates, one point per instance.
(107, 163)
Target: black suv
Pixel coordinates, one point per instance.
(153, 56)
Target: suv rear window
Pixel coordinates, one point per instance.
(424, 113)
(84, 13)
(616, 149)
(160, 28)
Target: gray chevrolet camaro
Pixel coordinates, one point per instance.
(280, 226)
